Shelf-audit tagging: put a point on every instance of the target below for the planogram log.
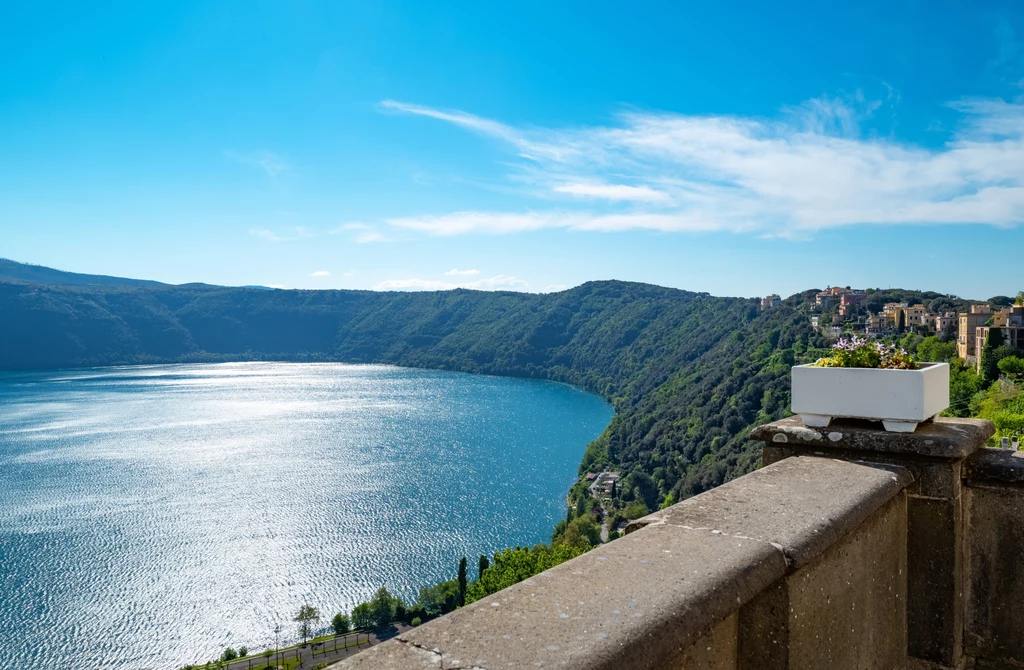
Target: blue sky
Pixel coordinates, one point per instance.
(738, 148)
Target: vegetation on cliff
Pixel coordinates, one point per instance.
(689, 374)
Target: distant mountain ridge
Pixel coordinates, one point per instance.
(43, 275)
(689, 374)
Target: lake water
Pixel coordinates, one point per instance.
(151, 516)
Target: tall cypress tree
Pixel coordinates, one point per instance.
(989, 359)
(462, 581)
(484, 564)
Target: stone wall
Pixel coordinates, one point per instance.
(798, 563)
(994, 512)
(850, 548)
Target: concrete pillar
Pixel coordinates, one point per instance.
(936, 533)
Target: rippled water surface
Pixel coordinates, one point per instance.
(150, 516)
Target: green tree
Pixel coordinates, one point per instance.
(635, 511)
(229, 654)
(901, 322)
(433, 598)
(581, 504)
(964, 384)
(1013, 368)
(989, 355)
(463, 581)
(512, 566)
(340, 624)
(308, 617)
(1000, 301)
(362, 617)
(383, 607)
(1020, 298)
(583, 533)
(483, 565)
(934, 350)
(243, 651)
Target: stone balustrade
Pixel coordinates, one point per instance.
(850, 548)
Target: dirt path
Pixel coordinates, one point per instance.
(328, 651)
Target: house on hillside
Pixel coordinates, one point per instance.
(944, 321)
(829, 297)
(1010, 322)
(968, 323)
(849, 303)
(877, 324)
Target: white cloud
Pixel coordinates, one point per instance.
(811, 170)
(498, 282)
(350, 273)
(320, 273)
(461, 273)
(614, 192)
(269, 162)
(364, 234)
(345, 227)
(290, 235)
(372, 236)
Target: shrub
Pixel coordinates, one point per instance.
(1012, 367)
(635, 511)
(857, 352)
(416, 621)
(340, 624)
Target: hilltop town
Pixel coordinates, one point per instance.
(844, 310)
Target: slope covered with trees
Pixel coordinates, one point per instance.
(688, 373)
(13, 270)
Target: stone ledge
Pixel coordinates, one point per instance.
(942, 438)
(995, 465)
(643, 600)
(800, 505)
(638, 602)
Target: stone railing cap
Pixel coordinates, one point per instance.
(995, 465)
(639, 601)
(800, 505)
(633, 603)
(942, 438)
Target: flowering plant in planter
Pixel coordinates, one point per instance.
(870, 380)
(857, 352)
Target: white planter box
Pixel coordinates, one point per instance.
(900, 399)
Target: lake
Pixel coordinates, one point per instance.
(152, 515)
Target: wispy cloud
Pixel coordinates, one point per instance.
(461, 273)
(614, 192)
(362, 233)
(811, 169)
(289, 235)
(320, 273)
(497, 282)
(269, 162)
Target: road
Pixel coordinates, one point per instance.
(329, 651)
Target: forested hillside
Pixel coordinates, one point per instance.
(37, 273)
(689, 374)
